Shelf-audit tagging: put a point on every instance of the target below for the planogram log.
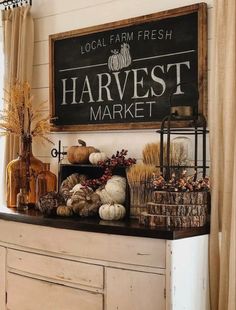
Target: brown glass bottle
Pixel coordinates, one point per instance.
(22, 173)
(46, 182)
(22, 200)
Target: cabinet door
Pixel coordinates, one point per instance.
(25, 293)
(127, 289)
(2, 277)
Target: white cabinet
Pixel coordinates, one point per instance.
(25, 293)
(72, 272)
(134, 290)
(58, 269)
(2, 277)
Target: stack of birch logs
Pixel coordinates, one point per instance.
(176, 209)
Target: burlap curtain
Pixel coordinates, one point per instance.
(18, 44)
(222, 123)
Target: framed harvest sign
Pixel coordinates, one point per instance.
(121, 75)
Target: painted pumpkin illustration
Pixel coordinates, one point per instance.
(119, 60)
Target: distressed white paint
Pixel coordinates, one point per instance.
(2, 276)
(91, 269)
(144, 290)
(57, 269)
(30, 294)
(187, 273)
(139, 251)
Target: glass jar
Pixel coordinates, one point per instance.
(22, 173)
(22, 200)
(181, 156)
(46, 182)
(181, 151)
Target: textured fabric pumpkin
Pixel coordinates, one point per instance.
(94, 158)
(49, 202)
(114, 190)
(85, 202)
(104, 196)
(69, 183)
(112, 212)
(64, 211)
(80, 154)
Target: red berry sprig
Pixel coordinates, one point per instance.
(116, 160)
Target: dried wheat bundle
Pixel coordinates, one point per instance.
(140, 182)
(151, 154)
(139, 173)
(18, 116)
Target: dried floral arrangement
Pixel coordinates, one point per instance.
(110, 164)
(19, 117)
(184, 183)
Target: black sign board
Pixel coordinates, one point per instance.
(121, 75)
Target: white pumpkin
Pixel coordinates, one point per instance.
(69, 202)
(78, 187)
(112, 211)
(95, 157)
(116, 188)
(104, 196)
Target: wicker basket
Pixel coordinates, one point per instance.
(140, 194)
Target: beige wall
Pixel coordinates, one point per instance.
(58, 16)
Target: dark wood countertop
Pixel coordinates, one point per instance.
(127, 227)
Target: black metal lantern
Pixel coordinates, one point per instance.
(197, 128)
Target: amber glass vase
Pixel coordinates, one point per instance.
(46, 182)
(22, 174)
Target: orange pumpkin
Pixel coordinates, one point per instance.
(80, 154)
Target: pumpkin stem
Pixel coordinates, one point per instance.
(115, 52)
(81, 142)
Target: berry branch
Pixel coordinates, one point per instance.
(116, 160)
(182, 184)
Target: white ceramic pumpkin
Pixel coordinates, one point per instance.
(95, 157)
(113, 211)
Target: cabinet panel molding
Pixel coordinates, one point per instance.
(56, 268)
(2, 277)
(31, 294)
(123, 249)
(134, 290)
